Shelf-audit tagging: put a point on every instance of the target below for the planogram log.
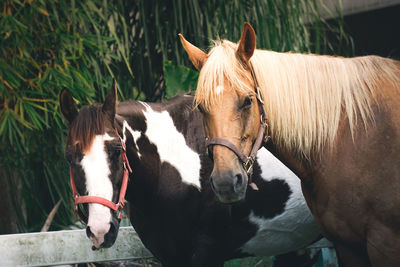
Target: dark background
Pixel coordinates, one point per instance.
(376, 32)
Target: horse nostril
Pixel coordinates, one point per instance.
(113, 228)
(88, 232)
(238, 182)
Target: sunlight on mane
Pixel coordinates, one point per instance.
(304, 94)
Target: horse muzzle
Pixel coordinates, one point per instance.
(104, 239)
(229, 187)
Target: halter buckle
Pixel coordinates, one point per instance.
(119, 215)
(259, 97)
(248, 164)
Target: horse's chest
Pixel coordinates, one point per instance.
(284, 221)
(163, 229)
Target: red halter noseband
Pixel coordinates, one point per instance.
(101, 200)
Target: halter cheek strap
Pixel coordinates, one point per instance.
(101, 200)
(247, 161)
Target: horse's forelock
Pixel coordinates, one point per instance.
(221, 67)
(88, 124)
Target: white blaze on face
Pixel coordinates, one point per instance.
(98, 183)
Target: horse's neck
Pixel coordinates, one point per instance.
(298, 164)
(153, 128)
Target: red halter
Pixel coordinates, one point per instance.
(101, 200)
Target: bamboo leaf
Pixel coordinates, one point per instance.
(44, 12)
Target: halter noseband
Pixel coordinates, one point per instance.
(101, 200)
(247, 161)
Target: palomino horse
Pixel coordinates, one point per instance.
(334, 121)
(172, 205)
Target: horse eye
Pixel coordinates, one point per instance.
(247, 102)
(114, 153)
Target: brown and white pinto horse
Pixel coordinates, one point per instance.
(334, 121)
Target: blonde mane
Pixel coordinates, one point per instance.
(304, 94)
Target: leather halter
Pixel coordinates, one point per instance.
(247, 161)
(101, 200)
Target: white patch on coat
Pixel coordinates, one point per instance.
(95, 165)
(291, 230)
(135, 135)
(219, 89)
(172, 147)
(147, 106)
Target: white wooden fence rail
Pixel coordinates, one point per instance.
(66, 247)
(72, 246)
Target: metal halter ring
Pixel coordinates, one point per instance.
(248, 165)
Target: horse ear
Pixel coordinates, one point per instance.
(196, 55)
(110, 104)
(247, 43)
(67, 105)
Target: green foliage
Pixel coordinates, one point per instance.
(178, 79)
(46, 46)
